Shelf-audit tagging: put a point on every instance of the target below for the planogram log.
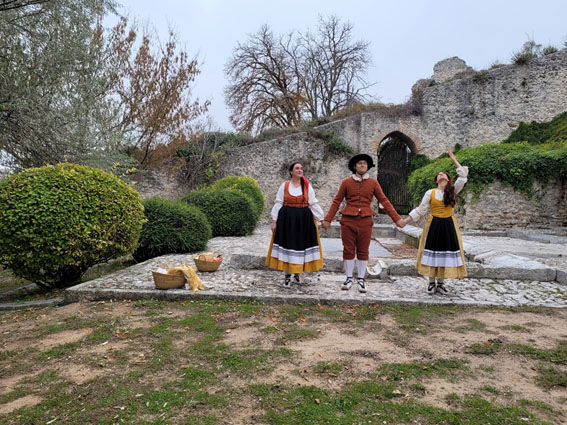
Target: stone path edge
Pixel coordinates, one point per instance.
(77, 294)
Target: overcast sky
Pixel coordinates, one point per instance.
(407, 37)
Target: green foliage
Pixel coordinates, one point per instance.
(536, 133)
(548, 50)
(335, 144)
(530, 51)
(519, 164)
(230, 213)
(172, 227)
(247, 186)
(419, 161)
(57, 221)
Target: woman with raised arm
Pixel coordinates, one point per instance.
(440, 255)
(295, 246)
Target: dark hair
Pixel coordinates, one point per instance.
(301, 180)
(449, 195)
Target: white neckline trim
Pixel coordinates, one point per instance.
(358, 179)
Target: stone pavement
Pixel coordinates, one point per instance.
(243, 276)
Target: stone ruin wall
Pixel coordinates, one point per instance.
(472, 109)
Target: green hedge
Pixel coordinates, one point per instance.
(536, 151)
(249, 188)
(229, 212)
(57, 221)
(172, 227)
(515, 164)
(554, 131)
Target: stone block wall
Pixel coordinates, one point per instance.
(499, 206)
(481, 108)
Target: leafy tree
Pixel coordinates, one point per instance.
(72, 91)
(51, 85)
(154, 88)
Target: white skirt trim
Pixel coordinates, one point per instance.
(441, 258)
(291, 256)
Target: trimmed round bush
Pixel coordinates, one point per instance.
(172, 227)
(248, 186)
(57, 221)
(229, 212)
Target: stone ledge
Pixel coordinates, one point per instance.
(484, 263)
(74, 295)
(31, 304)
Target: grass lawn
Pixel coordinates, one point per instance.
(231, 363)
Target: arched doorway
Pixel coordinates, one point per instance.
(394, 159)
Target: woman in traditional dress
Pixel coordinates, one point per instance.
(295, 247)
(440, 254)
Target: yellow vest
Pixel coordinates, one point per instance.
(438, 208)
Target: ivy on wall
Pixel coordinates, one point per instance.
(536, 151)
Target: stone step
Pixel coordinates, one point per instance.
(530, 270)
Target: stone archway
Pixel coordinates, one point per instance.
(395, 152)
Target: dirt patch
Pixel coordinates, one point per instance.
(11, 383)
(48, 341)
(79, 373)
(27, 401)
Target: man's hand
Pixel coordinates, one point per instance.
(401, 222)
(273, 226)
(325, 224)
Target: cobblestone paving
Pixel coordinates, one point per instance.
(267, 285)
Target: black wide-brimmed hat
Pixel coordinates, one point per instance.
(359, 157)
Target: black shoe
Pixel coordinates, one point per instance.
(347, 284)
(441, 289)
(287, 281)
(431, 288)
(361, 285)
(296, 278)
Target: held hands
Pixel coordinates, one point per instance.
(403, 221)
(325, 224)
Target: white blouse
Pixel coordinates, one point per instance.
(422, 209)
(296, 191)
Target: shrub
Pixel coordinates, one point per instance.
(535, 133)
(536, 151)
(57, 221)
(229, 212)
(172, 227)
(530, 51)
(247, 186)
(515, 164)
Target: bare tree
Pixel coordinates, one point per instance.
(276, 81)
(333, 67)
(265, 90)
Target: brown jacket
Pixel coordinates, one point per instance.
(358, 196)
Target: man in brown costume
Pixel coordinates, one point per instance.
(356, 221)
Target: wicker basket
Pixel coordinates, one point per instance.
(206, 262)
(168, 281)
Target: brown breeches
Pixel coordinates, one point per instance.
(356, 233)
